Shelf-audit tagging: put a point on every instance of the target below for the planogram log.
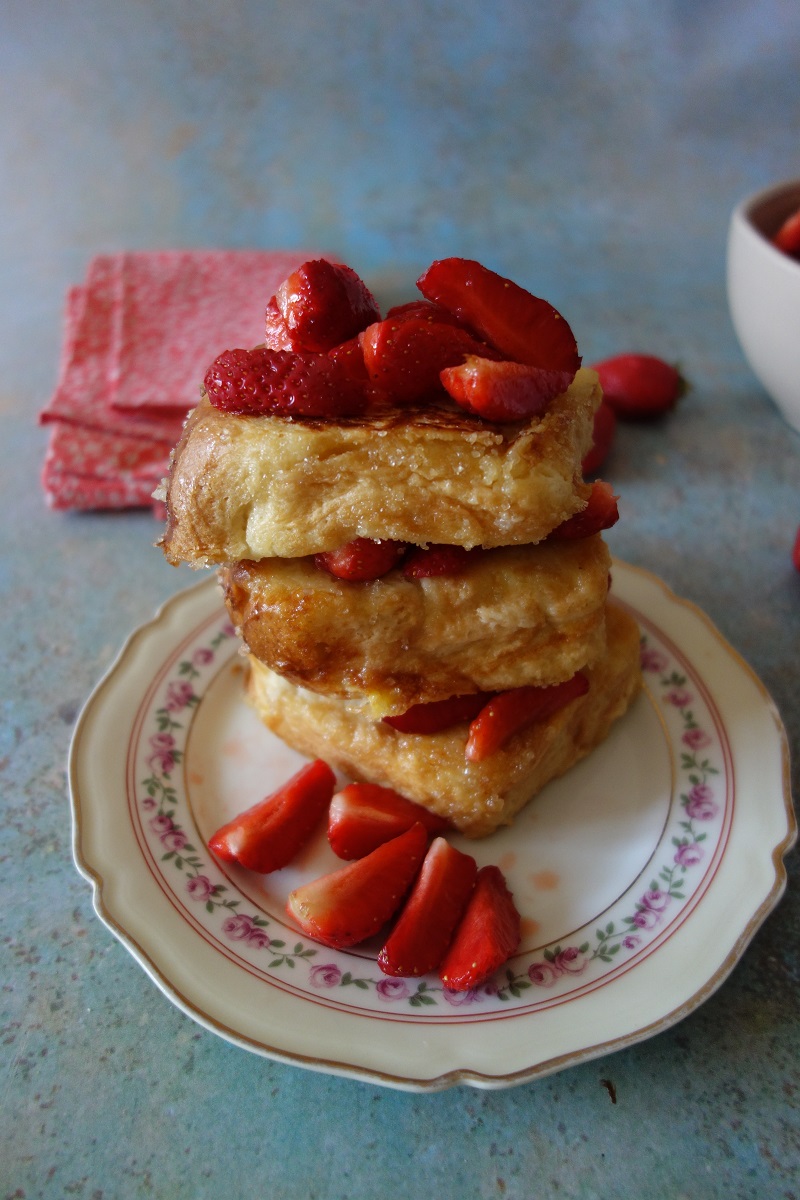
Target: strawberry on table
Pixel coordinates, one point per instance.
(267, 836)
(486, 937)
(424, 929)
(362, 816)
(521, 326)
(639, 386)
(508, 712)
(503, 391)
(323, 304)
(349, 905)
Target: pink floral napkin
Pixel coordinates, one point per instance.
(139, 333)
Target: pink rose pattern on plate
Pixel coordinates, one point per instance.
(555, 970)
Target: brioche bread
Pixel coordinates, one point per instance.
(252, 488)
(476, 798)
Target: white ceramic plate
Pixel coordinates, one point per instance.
(641, 875)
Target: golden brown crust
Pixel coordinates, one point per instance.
(513, 616)
(260, 487)
(431, 769)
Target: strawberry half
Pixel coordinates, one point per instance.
(508, 712)
(521, 326)
(437, 715)
(323, 304)
(486, 937)
(355, 902)
(405, 356)
(601, 513)
(425, 927)
(503, 391)
(263, 382)
(267, 836)
(362, 816)
(428, 562)
(639, 386)
(361, 560)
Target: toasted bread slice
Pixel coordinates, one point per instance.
(431, 769)
(261, 487)
(512, 616)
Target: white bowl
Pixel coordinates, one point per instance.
(764, 295)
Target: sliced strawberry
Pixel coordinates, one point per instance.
(264, 382)
(787, 238)
(276, 331)
(350, 357)
(605, 426)
(324, 304)
(362, 816)
(361, 560)
(601, 513)
(503, 391)
(521, 326)
(355, 902)
(423, 310)
(508, 712)
(487, 935)
(437, 715)
(405, 356)
(639, 386)
(426, 562)
(424, 929)
(267, 836)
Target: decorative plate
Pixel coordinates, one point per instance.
(641, 875)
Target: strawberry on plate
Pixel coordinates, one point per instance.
(424, 929)
(362, 816)
(349, 905)
(267, 836)
(521, 326)
(601, 513)
(508, 712)
(486, 937)
(503, 391)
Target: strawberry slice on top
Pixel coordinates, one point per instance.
(503, 391)
(267, 836)
(521, 326)
(323, 304)
(424, 929)
(352, 904)
(487, 935)
(362, 816)
(405, 355)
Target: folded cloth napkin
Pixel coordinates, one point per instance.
(139, 333)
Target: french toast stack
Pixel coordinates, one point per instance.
(406, 543)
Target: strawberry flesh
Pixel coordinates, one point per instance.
(521, 326)
(601, 513)
(509, 712)
(423, 931)
(639, 386)
(324, 304)
(503, 391)
(267, 836)
(487, 935)
(362, 559)
(276, 331)
(406, 356)
(362, 816)
(353, 903)
(264, 382)
(427, 562)
(438, 715)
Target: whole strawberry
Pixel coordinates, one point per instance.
(264, 382)
(638, 386)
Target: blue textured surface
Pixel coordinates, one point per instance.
(593, 152)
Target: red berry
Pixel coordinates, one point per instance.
(601, 513)
(787, 238)
(521, 326)
(262, 381)
(509, 712)
(324, 304)
(503, 391)
(796, 551)
(427, 562)
(361, 560)
(437, 715)
(638, 386)
(362, 816)
(405, 355)
(487, 935)
(276, 332)
(605, 426)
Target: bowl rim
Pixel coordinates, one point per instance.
(773, 197)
